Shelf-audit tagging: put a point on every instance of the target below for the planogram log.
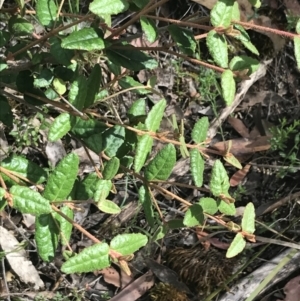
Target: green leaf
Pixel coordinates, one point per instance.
(127, 244)
(27, 200)
(248, 220)
(197, 167)
(219, 182)
(140, 3)
(209, 205)
(184, 38)
(297, 50)
(155, 116)
(255, 3)
(46, 236)
(231, 159)
(228, 87)
(90, 259)
(108, 7)
(137, 109)
(160, 232)
(245, 39)
(4, 38)
(65, 226)
(6, 115)
(237, 246)
(113, 138)
(297, 27)
(2, 193)
(61, 180)
(84, 39)
(227, 209)
(85, 128)
(60, 127)
(244, 62)
(131, 58)
(93, 85)
(236, 12)
(128, 82)
(24, 168)
(44, 79)
(221, 14)
(199, 132)
(194, 216)
(103, 188)
(62, 56)
(145, 200)
(94, 143)
(111, 168)
(149, 29)
(217, 47)
(160, 167)
(108, 207)
(59, 86)
(78, 92)
(143, 148)
(20, 26)
(87, 188)
(46, 11)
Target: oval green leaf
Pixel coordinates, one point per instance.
(248, 220)
(127, 244)
(197, 167)
(194, 216)
(90, 259)
(237, 246)
(60, 127)
(219, 182)
(228, 86)
(108, 7)
(111, 168)
(160, 167)
(149, 29)
(209, 205)
(221, 14)
(108, 207)
(199, 132)
(143, 148)
(155, 116)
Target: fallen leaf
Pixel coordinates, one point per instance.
(16, 256)
(239, 126)
(239, 176)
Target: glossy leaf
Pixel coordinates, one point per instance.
(194, 216)
(127, 244)
(46, 11)
(199, 132)
(227, 209)
(65, 226)
(137, 109)
(94, 142)
(155, 116)
(113, 138)
(228, 87)
(209, 205)
(87, 187)
(217, 47)
(43, 79)
(149, 29)
(90, 259)
(27, 200)
(61, 180)
(61, 55)
(103, 188)
(248, 220)
(60, 127)
(237, 246)
(197, 167)
(111, 168)
(131, 59)
(93, 85)
(244, 62)
(143, 148)
(59, 86)
(25, 168)
(108, 207)
(84, 39)
(160, 167)
(184, 38)
(145, 200)
(78, 92)
(108, 7)
(46, 236)
(20, 26)
(128, 82)
(221, 14)
(219, 182)
(297, 50)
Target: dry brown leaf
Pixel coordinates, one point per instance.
(136, 289)
(112, 276)
(239, 126)
(244, 146)
(239, 176)
(292, 290)
(293, 6)
(17, 258)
